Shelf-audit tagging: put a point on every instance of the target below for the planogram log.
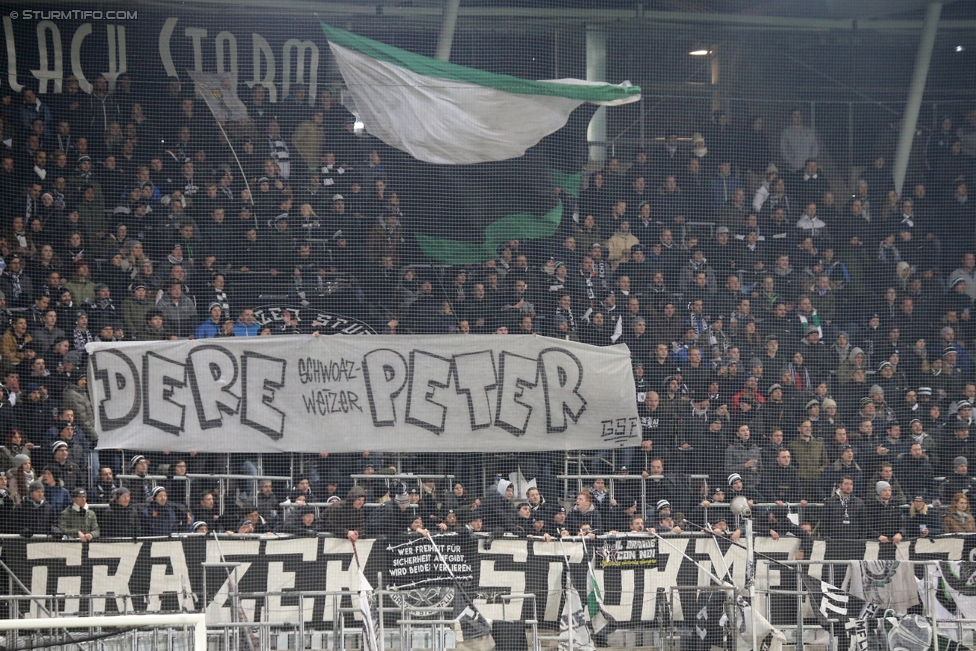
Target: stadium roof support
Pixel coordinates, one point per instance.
(915, 92)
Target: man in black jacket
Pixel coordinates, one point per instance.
(884, 518)
(34, 515)
(844, 514)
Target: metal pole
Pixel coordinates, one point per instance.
(750, 578)
(596, 70)
(915, 92)
(446, 38)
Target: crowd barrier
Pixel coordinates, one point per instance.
(158, 575)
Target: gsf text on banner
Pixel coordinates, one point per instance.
(346, 394)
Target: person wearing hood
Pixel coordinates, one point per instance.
(499, 505)
(855, 359)
(959, 519)
(78, 520)
(347, 518)
(34, 515)
(584, 519)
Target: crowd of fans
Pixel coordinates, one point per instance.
(793, 346)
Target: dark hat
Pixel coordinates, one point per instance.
(883, 364)
(84, 157)
(949, 349)
(956, 281)
(32, 387)
(810, 329)
(137, 286)
(959, 461)
(561, 509)
(134, 460)
(846, 446)
(414, 491)
(264, 179)
(734, 477)
(199, 524)
(35, 486)
(773, 387)
(924, 391)
(772, 337)
(56, 445)
(78, 492)
(100, 286)
(156, 491)
(663, 504)
(121, 490)
(812, 402)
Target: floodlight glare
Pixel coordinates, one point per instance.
(700, 53)
(740, 506)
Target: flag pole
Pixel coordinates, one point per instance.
(569, 622)
(247, 185)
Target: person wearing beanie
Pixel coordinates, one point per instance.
(301, 522)
(34, 515)
(393, 517)
(884, 519)
(211, 327)
(121, 520)
(140, 485)
(160, 518)
(957, 481)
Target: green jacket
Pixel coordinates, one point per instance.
(70, 522)
(810, 458)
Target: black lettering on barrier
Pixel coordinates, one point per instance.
(427, 374)
(385, 372)
(212, 371)
(562, 375)
(120, 385)
(161, 377)
(261, 375)
(469, 369)
(516, 374)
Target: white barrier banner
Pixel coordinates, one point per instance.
(345, 394)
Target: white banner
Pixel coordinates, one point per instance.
(346, 394)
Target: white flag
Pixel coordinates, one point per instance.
(573, 622)
(444, 113)
(220, 94)
(370, 612)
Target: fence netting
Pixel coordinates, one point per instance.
(565, 326)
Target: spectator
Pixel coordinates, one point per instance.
(959, 519)
(34, 515)
(844, 514)
(584, 518)
(77, 521)
(959, 481)
(810, 456)
(922, 519)
(159, 518)
(884, 519)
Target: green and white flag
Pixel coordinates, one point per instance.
(444, 113)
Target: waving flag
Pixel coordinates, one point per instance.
(444, 113)
(220, 95)
(369, 609)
